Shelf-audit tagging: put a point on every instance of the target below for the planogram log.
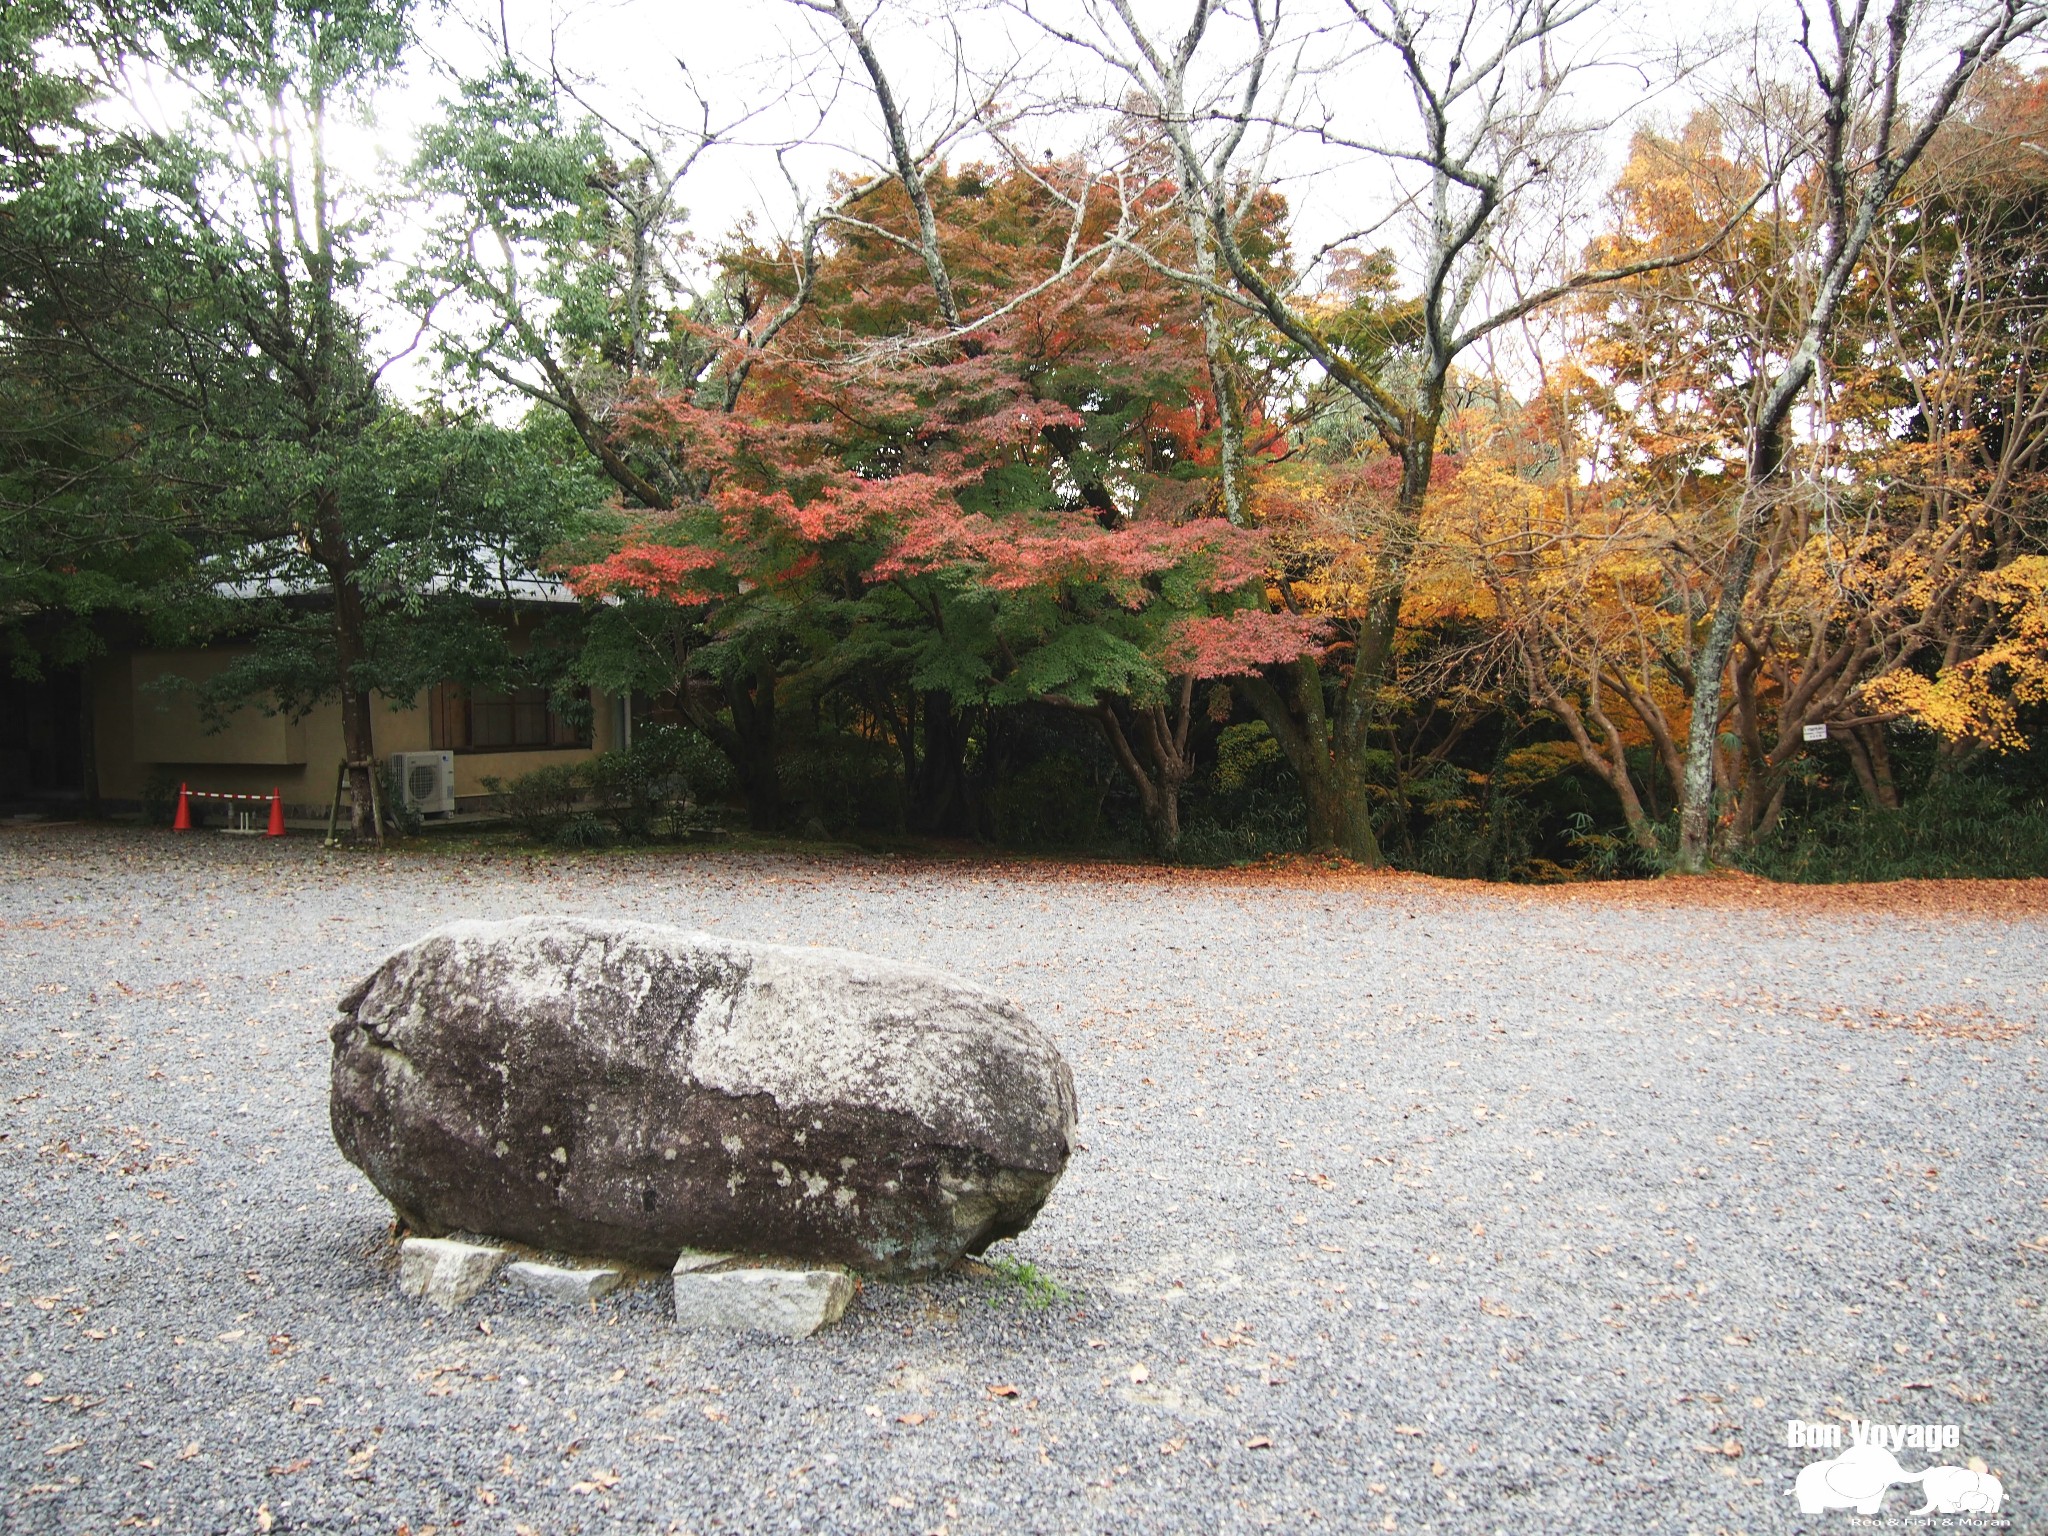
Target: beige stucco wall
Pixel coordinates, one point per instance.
(163, 706)
(142, 730)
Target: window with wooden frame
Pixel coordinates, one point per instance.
(518, 719)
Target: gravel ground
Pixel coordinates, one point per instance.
(1402, 1206)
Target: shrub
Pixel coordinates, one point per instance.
(650, 788)
(399, 814)
(630, 792)
(1955, 828)
(539, 802)
(1052, 803)
(159, 797)
(1246, 755)
(1250, 807)
(843, 782)
(581, 829)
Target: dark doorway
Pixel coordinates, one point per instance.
(42, 753)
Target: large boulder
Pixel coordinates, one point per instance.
(632, 1091)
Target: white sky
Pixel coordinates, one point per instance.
(770, 73)
(772, 67)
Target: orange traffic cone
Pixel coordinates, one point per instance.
(182, 822)
(276, 815)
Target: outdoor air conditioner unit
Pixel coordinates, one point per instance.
(425, 780)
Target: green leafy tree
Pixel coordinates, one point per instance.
(223, 277)
(82, 536)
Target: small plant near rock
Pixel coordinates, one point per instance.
(1040, 1289)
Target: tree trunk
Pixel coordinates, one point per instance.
(940, 804)
(1339, 810)
(1340, 814)
(1173, 764)
(1859, 759)
(755, 760)
(1333, 784)
(358, 735)
(1696, 792)
(1608, 758)
(1222, 380)
(1874, 742)
(1154, 755)
(88, 744)
(748, 740)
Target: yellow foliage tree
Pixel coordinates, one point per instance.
(1977, 699)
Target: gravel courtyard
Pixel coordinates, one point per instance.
(1401, 1206)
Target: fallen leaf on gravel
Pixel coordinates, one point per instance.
(1728, 1448)
(264, 1519)
(897, 1501)
(1495, 1308)
(295, 1468)
(65, 1448)
(600, 1482)
(912, 1418)
(485, 1496)
(1915, 1386)
(1258, 1443)
(1174, 1446)
(715, 1415)
(1002, 1391)
(1139, 1375)
(189, 1452)
(32, 1379)
(1406, 1429)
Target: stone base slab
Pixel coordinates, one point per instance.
(444, 1271)
(728, 1295)
(574, 1287)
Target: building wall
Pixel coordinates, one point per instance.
(148, 725)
